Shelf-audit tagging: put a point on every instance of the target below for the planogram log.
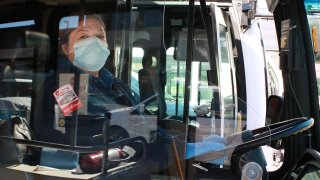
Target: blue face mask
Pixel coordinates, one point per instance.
(90, 54)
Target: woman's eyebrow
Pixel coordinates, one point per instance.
(101, 31)
(82, 30)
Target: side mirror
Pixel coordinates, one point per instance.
(274, 109)
(274, 115)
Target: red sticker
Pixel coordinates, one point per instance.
(67, 99)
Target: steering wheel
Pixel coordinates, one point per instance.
(259, 137)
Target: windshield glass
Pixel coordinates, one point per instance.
(110, 89)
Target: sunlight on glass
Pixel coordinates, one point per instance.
(17, 24)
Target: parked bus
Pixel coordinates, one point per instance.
(108, 89)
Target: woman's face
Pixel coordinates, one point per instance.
(87, 28)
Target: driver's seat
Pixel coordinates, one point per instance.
(150, 85)
(147, 77)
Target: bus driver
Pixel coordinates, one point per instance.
(85, 50)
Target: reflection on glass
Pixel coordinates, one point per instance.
(227, 89)
(313, 9)
(311, 173)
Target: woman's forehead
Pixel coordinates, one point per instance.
(90, 24)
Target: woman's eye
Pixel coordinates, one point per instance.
(83, 37)
(100, 37)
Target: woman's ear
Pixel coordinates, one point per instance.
(65, 50)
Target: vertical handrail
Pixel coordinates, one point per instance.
(106, 124)
(189, 58)
(74, 118)
(176, 157)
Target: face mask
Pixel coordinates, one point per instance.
(90, 54)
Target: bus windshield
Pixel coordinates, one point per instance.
(142, 90)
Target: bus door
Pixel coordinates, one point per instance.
(226, 73)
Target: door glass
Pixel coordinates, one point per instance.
(175, 69)
(137, 55)
(227, 84)
(313, 9)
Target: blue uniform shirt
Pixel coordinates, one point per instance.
(105, 93)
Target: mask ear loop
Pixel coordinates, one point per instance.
(69, 54)
(72, 50)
